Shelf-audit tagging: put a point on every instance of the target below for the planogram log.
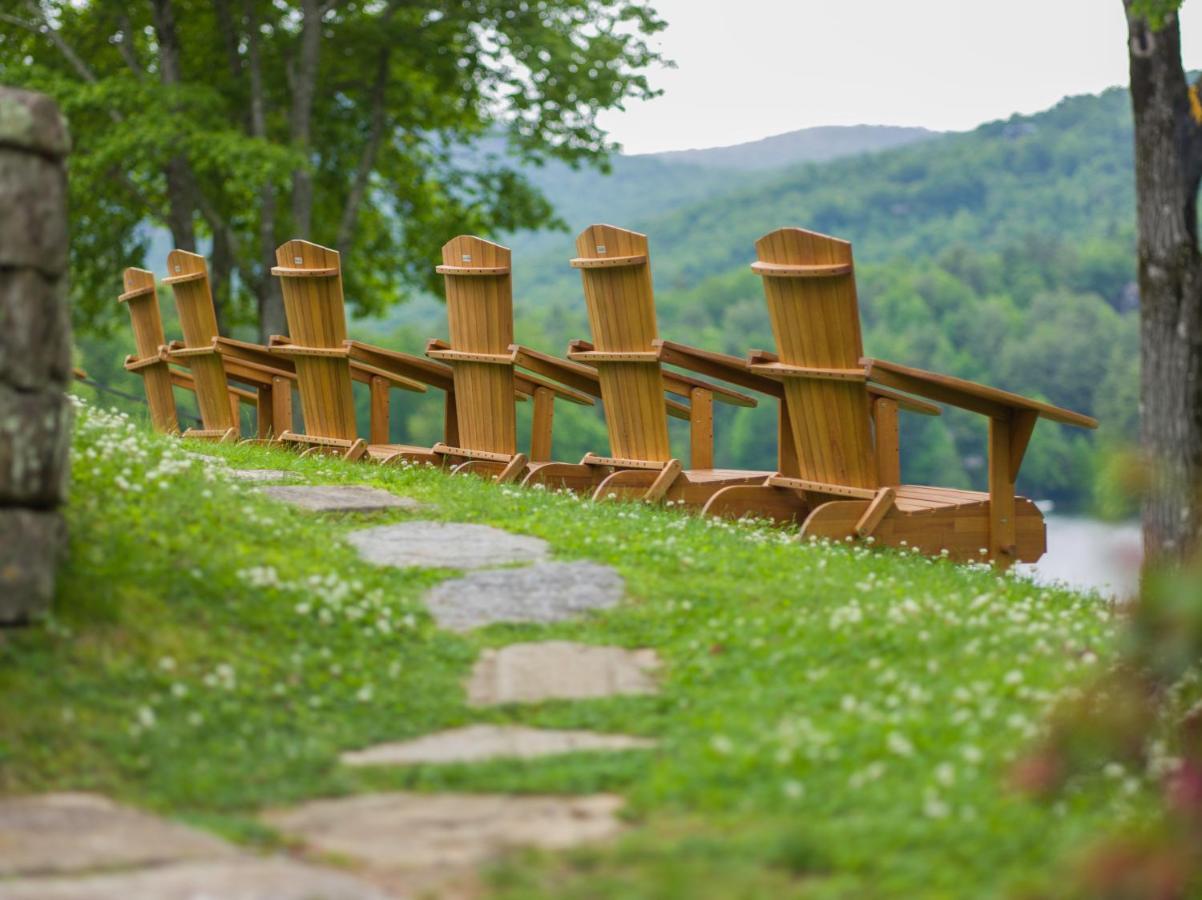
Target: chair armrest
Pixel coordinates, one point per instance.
(400, 365)
(978, 398)
(716, 365)
(575, 375)
(528, 384)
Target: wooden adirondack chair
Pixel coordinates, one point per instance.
(627, 355)
(843, 465)
(327, 363)
(482, 356)
(199, 351)
(152, 362)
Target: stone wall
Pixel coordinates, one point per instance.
(35, 350)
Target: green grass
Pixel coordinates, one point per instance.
(834, 721)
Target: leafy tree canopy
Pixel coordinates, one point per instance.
(376, 127)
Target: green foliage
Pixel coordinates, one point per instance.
(401, 88)
(833, 721)
(1156, 12)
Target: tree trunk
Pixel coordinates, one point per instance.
(267, 290)
(1168, 160)
(181, 202)
(304, 84)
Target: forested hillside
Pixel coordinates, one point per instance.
(804, 145)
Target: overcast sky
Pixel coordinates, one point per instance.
(751, 68)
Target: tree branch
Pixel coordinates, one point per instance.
(367, 162)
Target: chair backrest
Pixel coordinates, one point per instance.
(188, 275)
(311, 280)
(810, 284)
(616, 269)
(480, 321)
(142, 302)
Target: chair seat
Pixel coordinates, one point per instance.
(710, 476)
(383, 451)
(917, 497)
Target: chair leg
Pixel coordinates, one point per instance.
(512, 469)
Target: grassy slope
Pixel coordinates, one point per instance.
(833, 721)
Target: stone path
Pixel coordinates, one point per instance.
(264, 475)
(398, 845)
(340, 498)
(445, 545)
(86, 847)
(475, 743)
(403, 839)
(544, 592)
(559, 670)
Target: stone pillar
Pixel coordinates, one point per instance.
(35, 351)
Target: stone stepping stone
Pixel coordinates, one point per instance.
(242, 878)
(398, 833)
(257, 475)
(474, 743)
(339, 498)
(544, 592)
(445, 545)
(205, 458)
(559, 670)
(49, 834)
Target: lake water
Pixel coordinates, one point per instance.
(1086, 553)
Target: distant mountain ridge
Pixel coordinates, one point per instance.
(804, 145)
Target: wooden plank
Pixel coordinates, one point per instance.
(663, 481)
(701, 429)
(380, 418)
(1022, 426)
(819, 487)
(969, 395)
(878, 507)
(607, 262)
(513, 469)
(716, 365)
(783, 270)
(540, 437)
(592, 459)
(888, 441)
(1002, 548)
(782, 370)
(281, 405)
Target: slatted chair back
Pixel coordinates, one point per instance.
(810, 286)
(615, 266)
(311, 281)
(188, 275)
(480, 320)
(143, 305)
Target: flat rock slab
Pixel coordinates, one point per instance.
(244, 878)
(544, 592)
(474, 743)
(264, 475)
(399, 832)
(49, 834)
(445, 545)
(559, 670)
(205, 458)
(339, 497)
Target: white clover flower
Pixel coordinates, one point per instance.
(945, 774)
(971, 754)
(898, 743)
(721, 744)
(146, 717)
(793, 789)
(364, 694)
